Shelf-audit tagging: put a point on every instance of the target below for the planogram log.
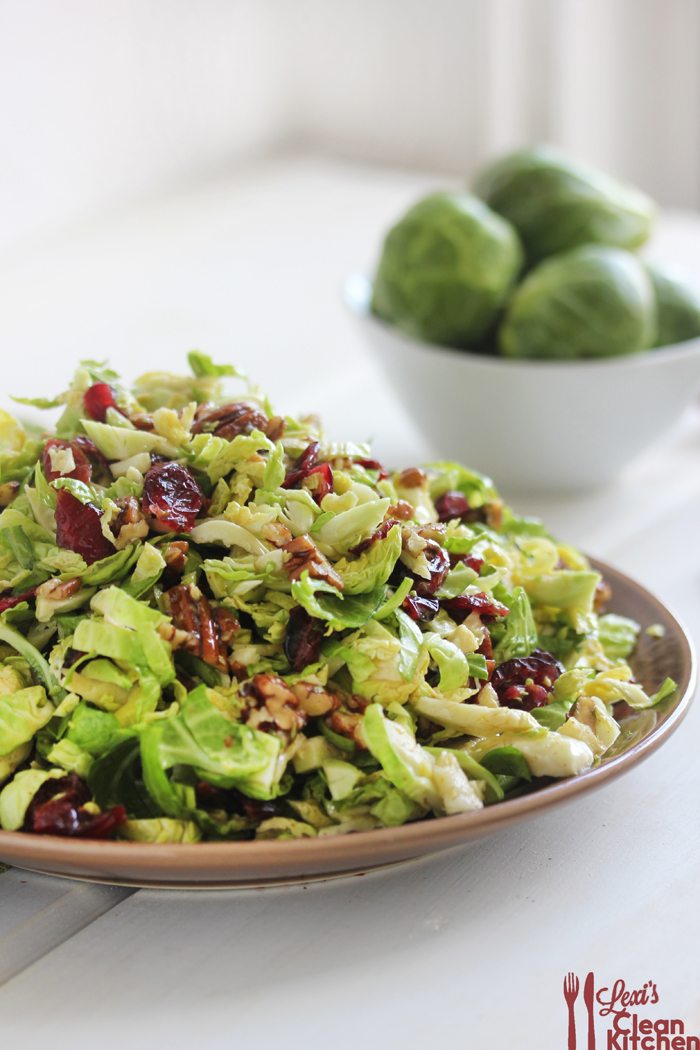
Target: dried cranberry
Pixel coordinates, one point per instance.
(451, 505)
(172, 497)
(419, 608)
(307, 466)
(97, 399)
(374, 464)
(380, 533)
(483, 604)
(324, 480)
(15, 599)
(486, 647)
(78, 528)
(472, 561)
(97, 459)
(302, 642)
(525, 682)
(82, 470)
(438, 566)
(57, 808)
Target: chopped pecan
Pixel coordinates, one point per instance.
(143, 422)
(402, 510)
(276, 533)
(271, 705)
(130, 524)
(603, 594)
(314, 700)
(412, 478)
(347, 724)
(58, 590)
(228, 421)
(275, 428)
(209, 632)
(175, 555)
(305, 555)
(8, 491)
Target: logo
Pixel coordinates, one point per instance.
(621, 1016)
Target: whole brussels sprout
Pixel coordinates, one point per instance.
(677, 308)
(589, 302)
(446, 269)
(556, 204)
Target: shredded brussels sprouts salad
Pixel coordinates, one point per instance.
(216, 624)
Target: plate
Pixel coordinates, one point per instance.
(211, 865)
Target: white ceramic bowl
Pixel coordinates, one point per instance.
(541, 425)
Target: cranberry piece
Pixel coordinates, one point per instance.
(486, 647)
(324, 480)
(303, 465)
(472, 561)
(380, 533)
(82, 470)
(307, 466)
(419, 608)
(483, 604)
(58, 809)
(171, 497)
(15, 599)
(98, 461)
(78, 528)
(302, 642)
(526, 682)
(451, 505)
(97, 399)
(374, 464)
(438, 566)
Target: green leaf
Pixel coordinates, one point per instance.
(552, 716)
(519, 636)
(202, 365)
(618, 635)
(396, 600)
(274, 468)
(22, 715)
(411, 639)
(451, 661)
(115, 778)
(325, 602)
(373, 567)
(507, 761)
(38, 665)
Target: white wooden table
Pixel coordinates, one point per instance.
(468, 949)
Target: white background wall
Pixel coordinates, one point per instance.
(102, 103)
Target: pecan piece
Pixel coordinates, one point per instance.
(175, 555)
(603, 594)
(8, 491)
(58, 590)
(347, 724)
(228, 421)
(276, 533)
(305, 555)
(412, 478)
(130, 524)
(314, 700)
(271, 706)
(208, 631)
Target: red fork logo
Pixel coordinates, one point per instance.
(571, 990)
(570, 995)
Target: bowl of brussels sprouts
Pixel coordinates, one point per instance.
(523, 329)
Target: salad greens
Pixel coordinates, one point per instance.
(216, 624)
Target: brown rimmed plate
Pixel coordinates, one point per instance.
(209, 865)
